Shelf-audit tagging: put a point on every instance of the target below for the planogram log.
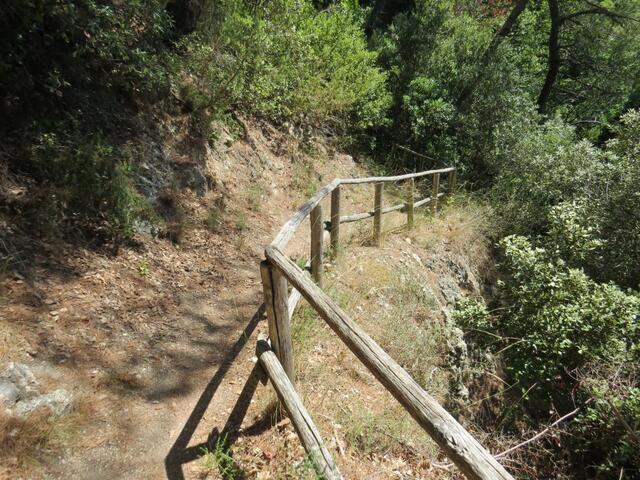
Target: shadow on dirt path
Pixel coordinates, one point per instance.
(180, 453)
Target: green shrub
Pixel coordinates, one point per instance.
(77, 59)
(616, 211)
(72, 74)
(285, 61)
(85, 186)
(565, 339)
(541, 168)
(562, 318)
(606, 431)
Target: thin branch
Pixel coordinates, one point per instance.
(538, 435)
(415, 153)
(626, 425)
(599, 10)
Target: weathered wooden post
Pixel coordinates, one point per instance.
(451, 182)
(377, 214)
(410, 202)
(335, 221)
(276, 297)
(435, 186)
(317, 232)
(300, 418)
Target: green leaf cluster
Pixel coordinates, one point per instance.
(286, 61)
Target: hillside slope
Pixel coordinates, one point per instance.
(402, 294)
(134, 338)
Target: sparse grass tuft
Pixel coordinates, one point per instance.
(306, 330)
(22, 439)
(255, 195)
(303, 470)
(389, 430)
(242, 223)
(305, 178)
(219, 459)
(144, 268)
(464, 225)
(215, 219)
(26, 442)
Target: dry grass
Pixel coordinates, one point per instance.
(26, 443)
(349, 405)
(394, 301)
(463, 227)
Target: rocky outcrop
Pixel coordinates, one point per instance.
(20, 395)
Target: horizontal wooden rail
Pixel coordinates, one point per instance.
(424, 201)
(289, 229)
(293, 301)
(465, 452)
(362, 216)
(396, 178)
(300, 418)
(355, 217)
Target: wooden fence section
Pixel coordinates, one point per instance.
(278, 271)
(307, 431)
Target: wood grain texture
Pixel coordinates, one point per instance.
(294, 299)
(353, 181)
(463, 450)
(335, 221)
(377, 214)
(317, 237)
(451, 183)
(291, 226)
(267, 290)
(300, 418)
(283, 320)
(276, 300)
(435, 186)
(410, 205)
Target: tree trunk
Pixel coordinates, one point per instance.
(487, 56)
(554, 56)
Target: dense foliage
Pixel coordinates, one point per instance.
(286, 61)
(562, 336)
(76, 74)
(71, 74)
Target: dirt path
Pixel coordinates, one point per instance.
(191, 381)
(155, 345)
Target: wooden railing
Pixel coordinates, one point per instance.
(276, 357)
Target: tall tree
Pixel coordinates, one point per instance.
(559, 23)
(489, 53)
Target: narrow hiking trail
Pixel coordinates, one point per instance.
(156, 344)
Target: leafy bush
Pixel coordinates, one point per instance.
(72, 74)
(84, 183)
(566, 339)
(607, 437)
(616, 211)
(434, 54)
(75, 58)
(284, 61)
(542, 167)
(562, 318)
(539, 167)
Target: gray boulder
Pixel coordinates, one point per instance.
(20, 396)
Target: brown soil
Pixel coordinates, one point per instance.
(157, 342)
